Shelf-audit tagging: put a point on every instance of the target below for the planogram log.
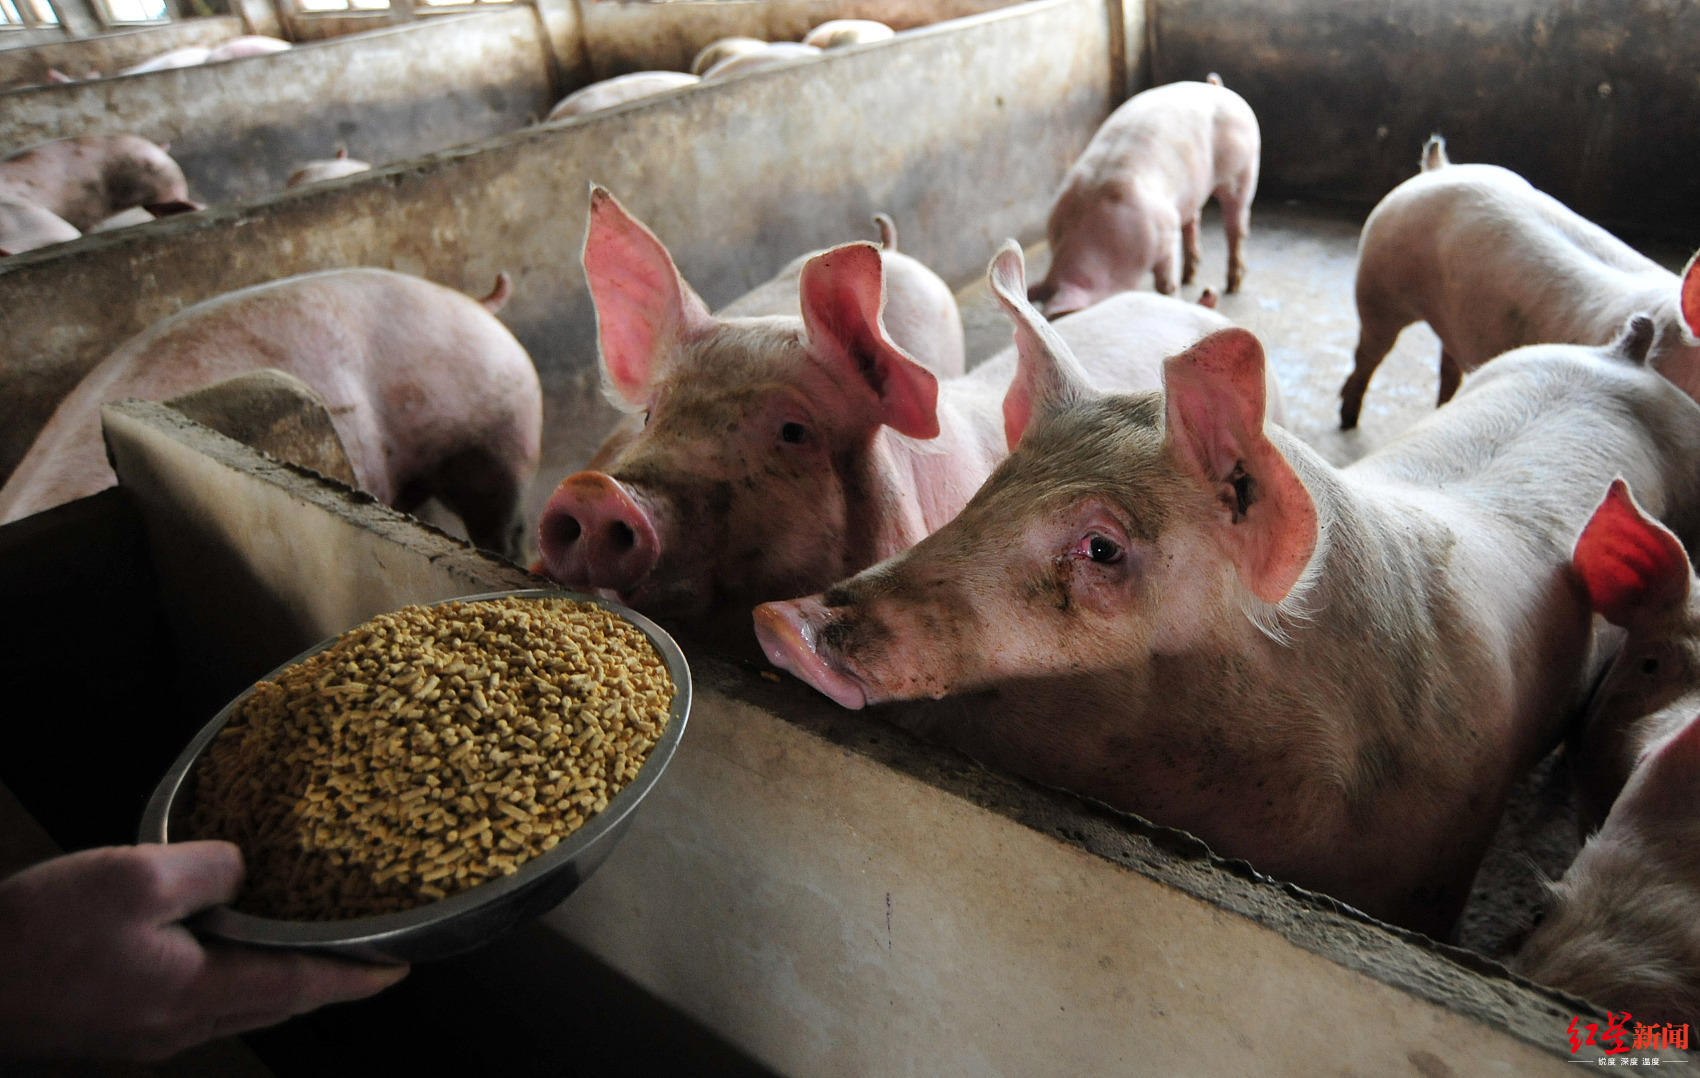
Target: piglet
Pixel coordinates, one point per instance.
(88, 179)
(723, 49)
(1491, 264)
(838, 33)
(769, 456)
(430, 394)
(1183, 611)
(617, 91)
(332, 168)
(1623, 929)
(772, 54)
(1130, 205)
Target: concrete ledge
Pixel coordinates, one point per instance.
(108, 52)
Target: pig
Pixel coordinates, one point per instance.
(1183, 611)
(769, 456)
(88, 179)
(24, 226)
(329, 169)
(774, 54)
(1491, 264)
(195, 55)
(725, 48)
(837, 33)
(617, 91)
(1130, 205)
(430, 394)
(920, 310)
(1623, 929)
(1638, 577)
(187, 56)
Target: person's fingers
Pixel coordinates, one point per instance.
(187, 877)
(238, 979)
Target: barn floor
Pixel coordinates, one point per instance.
(1297, 297)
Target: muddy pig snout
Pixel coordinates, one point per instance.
(789, 633)
(593, 533)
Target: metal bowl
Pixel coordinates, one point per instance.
(469, 918)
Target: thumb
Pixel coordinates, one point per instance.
(187, 877)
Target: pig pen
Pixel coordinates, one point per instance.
(801, 835)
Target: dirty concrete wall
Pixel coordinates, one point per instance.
(238, 128)
(106, 53)
(737, 178)
(1594, 101)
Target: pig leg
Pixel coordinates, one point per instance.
(1450, 375)
(1236, 224)
(1163, 270)
(1375, 340)
(1190, 253)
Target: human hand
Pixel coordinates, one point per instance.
(95, 960)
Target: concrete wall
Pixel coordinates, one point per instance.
(238, 128)
(828, 894)
(106, 53)
(1594, 101)
(737, 178)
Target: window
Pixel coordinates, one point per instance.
(463, 3)
(343, 5)
(119, 12)
(22, 14)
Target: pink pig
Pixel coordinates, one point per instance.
(617, 91)
(1185, 612)
(1492, 264)
(1624, 927)
(1130, 205)
(24, 226)
(88, 179)
(770, 456)
(429, 392)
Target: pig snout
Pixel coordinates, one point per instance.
(594, 533)
(790, 634)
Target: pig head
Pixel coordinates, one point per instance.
(1638, 577)
(756, 459)
(1186, 613)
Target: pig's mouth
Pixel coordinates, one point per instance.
(790, 639)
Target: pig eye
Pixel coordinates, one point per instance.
(793, 433)
(1099, 548)
(1649, 665)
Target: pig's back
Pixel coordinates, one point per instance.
(1187, 133)
(378, 346)
(1492, 264)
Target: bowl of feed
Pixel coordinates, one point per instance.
(419, 784)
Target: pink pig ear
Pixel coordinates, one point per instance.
(1046, 373)
(1630, 563)
(1690, 299)
(1214, 399)
(644, 309)
(842, 292)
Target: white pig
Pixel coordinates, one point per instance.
(1185, 612)
(1491, 264)
(770, 456)
(1624, 927)
(838, 33)
(617, 91)
(724, 48)
(1129, 206)
(24, 226)
(331, 168)
(87, 179)
(430, 393)
(773, 54)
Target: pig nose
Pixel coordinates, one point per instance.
(594, 534)
(790, 632)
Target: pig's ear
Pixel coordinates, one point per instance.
(1630, 563)
(644, 309)
(842, 292)
(1046, 373)
(1214, 401)
(1690, 300)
